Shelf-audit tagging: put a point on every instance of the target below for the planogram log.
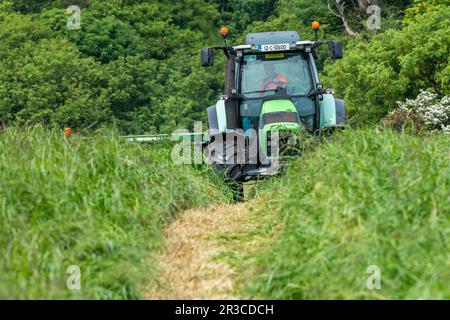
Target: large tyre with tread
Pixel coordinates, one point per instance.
(225, 160)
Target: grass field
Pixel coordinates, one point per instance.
(98, 203)
(364, 198)
(368, 198)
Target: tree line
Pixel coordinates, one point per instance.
(134, 63)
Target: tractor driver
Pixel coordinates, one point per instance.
(272, 80)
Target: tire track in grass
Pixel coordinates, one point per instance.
(189, 267)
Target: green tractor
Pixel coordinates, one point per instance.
(272, 95)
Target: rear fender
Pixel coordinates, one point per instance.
(340, 112)
(327, 111)
(332, 112)
(213, 123)
(217, 119)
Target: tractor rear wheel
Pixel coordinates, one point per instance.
(224, 159)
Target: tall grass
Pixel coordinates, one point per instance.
(96, 202)
(370, 198)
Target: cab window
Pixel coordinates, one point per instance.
(261, 73)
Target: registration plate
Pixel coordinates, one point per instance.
(274, 47)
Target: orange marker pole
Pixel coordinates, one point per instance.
(316, 26)
(224, 33)
(68, 132)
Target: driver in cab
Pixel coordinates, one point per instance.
(272, 80)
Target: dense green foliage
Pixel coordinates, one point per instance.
(368, 198)
(135, 62)
(97, 203)
(132, 61)
(396, 64)
(239, 14)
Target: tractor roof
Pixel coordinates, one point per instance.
(275, 37)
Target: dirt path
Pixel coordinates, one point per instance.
(188, 265)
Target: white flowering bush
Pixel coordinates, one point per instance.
(435, 112)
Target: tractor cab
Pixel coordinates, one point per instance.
(271, 85)
(274, 71)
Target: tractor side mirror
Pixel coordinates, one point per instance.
(207, 57)
(336, 50)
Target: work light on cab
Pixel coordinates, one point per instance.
(316, 27)
(224, 33)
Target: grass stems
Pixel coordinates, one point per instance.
(98, 203)
(368, 198)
